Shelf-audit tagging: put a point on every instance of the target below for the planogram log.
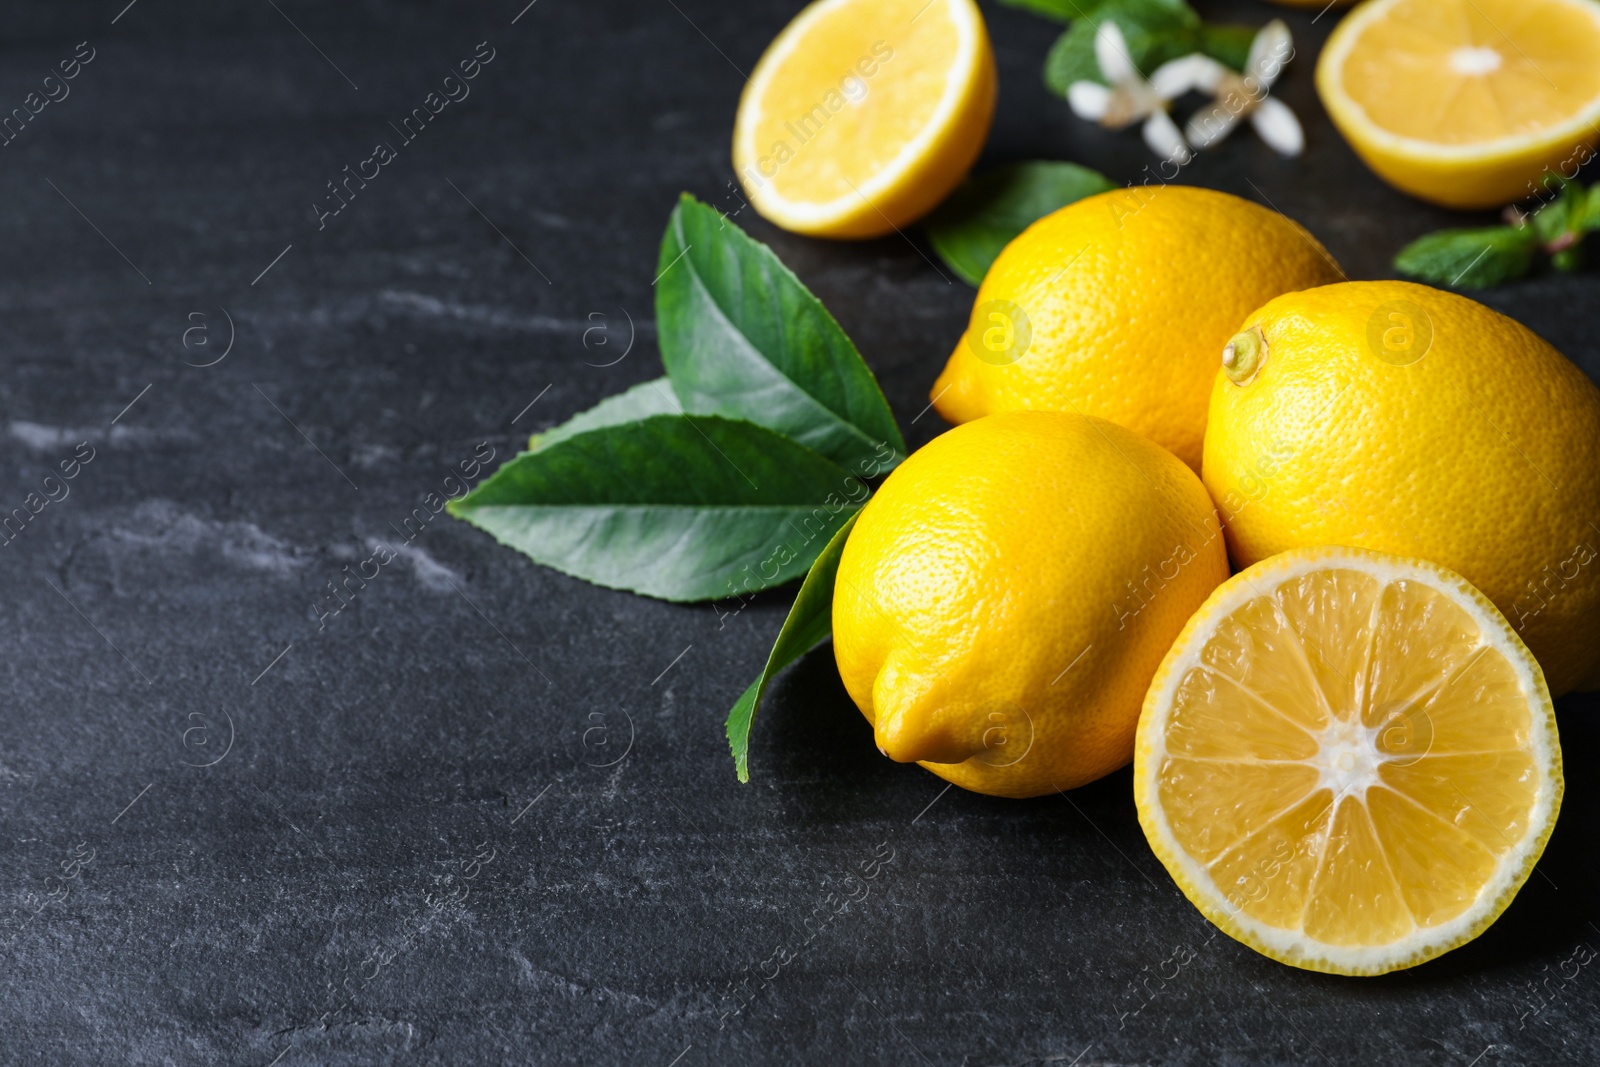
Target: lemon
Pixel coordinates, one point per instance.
(1005, 597)
(1466, 102)
(1392, 416)
(863, 114)
(1117, 305)
(1348, 761)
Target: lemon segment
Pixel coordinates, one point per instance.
(1466, 102)
(864, 114)
(1348, 761)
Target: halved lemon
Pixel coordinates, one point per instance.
(1466, 102)
(864, 114)
(1348, 761)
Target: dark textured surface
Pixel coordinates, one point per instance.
(360, 878)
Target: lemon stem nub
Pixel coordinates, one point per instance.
(1244, 356)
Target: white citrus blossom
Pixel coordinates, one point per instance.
(1131, 98)
(1241, 95)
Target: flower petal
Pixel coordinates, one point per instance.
(1088, 100)
(1208, 73)
(1111, 52)
(1278, 127)
(1175, 77)
(1165, 139)
(1211, 125)
(1272, 48)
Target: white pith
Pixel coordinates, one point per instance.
(1469, 60)
(1347, 763)
(801, 212)
(1347, 759)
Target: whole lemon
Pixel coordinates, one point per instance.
(1117, 306)
(1392, 416)
(1005, 598)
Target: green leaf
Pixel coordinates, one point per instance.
(1589, 221)
(673, 506)
(1561, 215)
(1228, 45)
(741, 336)
(1060, 10)
(1155, 32)
(810, 623)
(1549, 186)
(1071, 59)
(982, 216)
(1568, 259)
(1067, 10)
(1469, 259)
(654, 397)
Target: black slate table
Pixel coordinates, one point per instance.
(485, 812)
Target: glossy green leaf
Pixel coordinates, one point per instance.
(740, 336)
(1060, 10)
(1469, 259)
(1562, 215)
(1589, 220)
(673, 506)
(810, 623)
(982, 216)
(1228, 45)
(1067, 10)
(654, 397)
(1568, 260)
(1155, 32)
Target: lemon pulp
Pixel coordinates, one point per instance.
(1350, 763)
(864, 113)
(1467, 102)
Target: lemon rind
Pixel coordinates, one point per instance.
(1585, 124)
(1297, 948)
(808, 216)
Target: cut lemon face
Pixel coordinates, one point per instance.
(864, 114)
(1348, 761)
(1466, 102)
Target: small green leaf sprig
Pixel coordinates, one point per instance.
(1155, 31)
(741, 469)
(1483, 257)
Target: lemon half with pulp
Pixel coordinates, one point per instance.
(1348, 761)
(864, 114)
(1466, 102)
